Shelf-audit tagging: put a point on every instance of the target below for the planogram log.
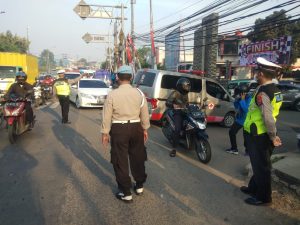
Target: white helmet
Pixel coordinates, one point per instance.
(61, 71)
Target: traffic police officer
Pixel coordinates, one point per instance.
(62, 91)
(126, 119)
(261, 133)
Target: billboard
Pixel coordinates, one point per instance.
(172, 46)
(275, 50)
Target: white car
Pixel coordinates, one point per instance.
(89, 93)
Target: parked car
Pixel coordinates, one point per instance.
(291, 95)
(157, 86)
(89, 93)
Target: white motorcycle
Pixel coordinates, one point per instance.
(38, 96)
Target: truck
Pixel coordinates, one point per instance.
(11, 63)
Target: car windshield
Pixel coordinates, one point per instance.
(71, 75)
(92, 84)
(7, 72)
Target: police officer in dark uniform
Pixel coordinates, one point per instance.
(261, 133)
(178, 100)
(125, 122)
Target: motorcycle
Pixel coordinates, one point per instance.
(38, 96)
(15, 115)
(193, 134)
(47, 91)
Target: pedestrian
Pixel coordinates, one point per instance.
(62, 91)
(241, 104)
(260, 129)
(125, 122)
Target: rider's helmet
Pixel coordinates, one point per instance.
(242, 88)
(183, 85)
(21, 77)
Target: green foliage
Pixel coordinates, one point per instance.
(104, 65)
(82, 62)
(276, 25)
(13, 43)
(46, 61)
(143, 54)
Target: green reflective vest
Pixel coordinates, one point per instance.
(62, 87)
(254, 115)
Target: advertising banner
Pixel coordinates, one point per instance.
(275, 50)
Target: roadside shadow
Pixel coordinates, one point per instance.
(19, 201)
(82, 150)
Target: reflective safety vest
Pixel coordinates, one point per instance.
(254, 123)
(62, 87)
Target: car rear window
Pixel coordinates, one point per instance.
(72, 75)
(92, 84)
(144, 78)
(169, 82)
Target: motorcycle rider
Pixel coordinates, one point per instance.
(178, 100)
(22, 89)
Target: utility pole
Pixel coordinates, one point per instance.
(116, 52)
(132, 20)
(122, 28)
(154, 66)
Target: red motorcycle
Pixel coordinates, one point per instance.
(15, 116)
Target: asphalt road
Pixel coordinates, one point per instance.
(60, 174)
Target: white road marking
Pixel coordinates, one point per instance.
(227, 178)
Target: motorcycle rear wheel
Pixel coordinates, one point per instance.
(12, 133)
(203, 150)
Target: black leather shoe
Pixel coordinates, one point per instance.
(256, 202)
(124, 198)
(173, 153)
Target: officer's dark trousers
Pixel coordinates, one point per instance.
(127, 141)
(178, 126)
(65, 105)
(234, 129)
(260, 149)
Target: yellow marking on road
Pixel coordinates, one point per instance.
(227, 178)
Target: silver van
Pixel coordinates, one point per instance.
(158, 84)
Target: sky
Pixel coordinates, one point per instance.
(53, 25)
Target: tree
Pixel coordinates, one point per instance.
(276, 25)
(46, 61)
(13, 43)
(144, 55)
(104, 65)
(82, 62)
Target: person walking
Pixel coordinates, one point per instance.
(241, 104)
(62, 91)
(125, 121)
(260, 129)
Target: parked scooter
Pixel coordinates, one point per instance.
(193, 135)
(15, 115)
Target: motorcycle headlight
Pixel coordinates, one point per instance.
(201, 125)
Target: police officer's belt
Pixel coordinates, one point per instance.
(126, 121)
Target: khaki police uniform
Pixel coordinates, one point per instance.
(260, 130)
(62, 91)
(125, 117)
